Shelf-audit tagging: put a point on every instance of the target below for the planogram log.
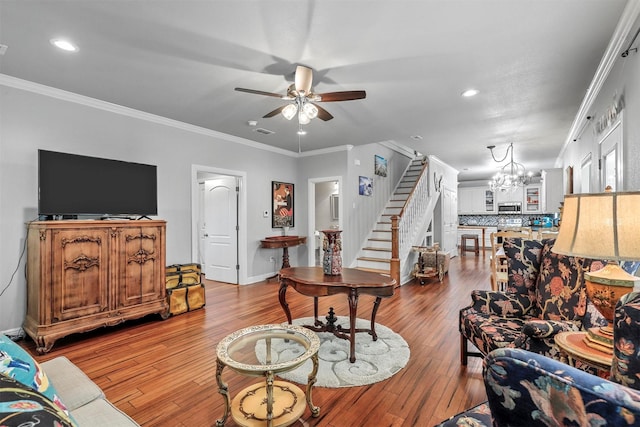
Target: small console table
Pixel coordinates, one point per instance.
(284, 242)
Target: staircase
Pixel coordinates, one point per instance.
(376, 255)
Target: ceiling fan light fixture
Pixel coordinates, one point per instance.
(289, 111)
(303, 119)
(310, 110)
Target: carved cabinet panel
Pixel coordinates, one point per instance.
(141, 266)
(82, 275)
(79, 272)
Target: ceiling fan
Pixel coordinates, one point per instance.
(303, 100)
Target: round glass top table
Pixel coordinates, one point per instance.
(264, 351)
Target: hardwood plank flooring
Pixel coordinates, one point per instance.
(162, 373)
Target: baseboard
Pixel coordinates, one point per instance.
(14, 334)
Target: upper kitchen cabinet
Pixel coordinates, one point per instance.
(510, 196)
(552, 190)
(532, 199)
(476, 201)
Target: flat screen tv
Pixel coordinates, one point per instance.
(71, 185)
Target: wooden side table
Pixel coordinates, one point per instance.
(575, 347)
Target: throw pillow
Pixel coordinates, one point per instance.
(16, 363)
(23, 406)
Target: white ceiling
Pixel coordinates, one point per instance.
(532, 61)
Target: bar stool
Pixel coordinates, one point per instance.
(463, 244)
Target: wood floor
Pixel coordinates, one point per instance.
(162, 373)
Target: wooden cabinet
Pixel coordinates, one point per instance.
(82, 275)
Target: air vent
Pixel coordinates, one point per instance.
(264, 131)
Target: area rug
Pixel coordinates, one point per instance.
(375, 360)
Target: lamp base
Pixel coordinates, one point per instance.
(600, 338)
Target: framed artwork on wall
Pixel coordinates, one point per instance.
(365, 186)
(282, 203)
(380, 167)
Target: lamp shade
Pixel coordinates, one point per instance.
(600, 226)
(290, 111)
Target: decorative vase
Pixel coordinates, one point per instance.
(332, 245)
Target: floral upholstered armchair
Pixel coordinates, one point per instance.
(545, 295)
(527, 389)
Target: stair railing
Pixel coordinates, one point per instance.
(408, 221)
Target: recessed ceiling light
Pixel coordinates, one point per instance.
(470, 92)
(65, 45)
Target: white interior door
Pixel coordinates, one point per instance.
(221, 229)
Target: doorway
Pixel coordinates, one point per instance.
(219, 223)
(325, 212)
(611, 158)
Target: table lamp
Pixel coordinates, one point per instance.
(602, 226)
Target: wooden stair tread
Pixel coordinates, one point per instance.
(375, 270)
(368, 258)
(371, 248)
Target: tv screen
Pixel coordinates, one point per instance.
(70, 184)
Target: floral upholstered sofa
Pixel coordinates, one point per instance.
(55, 393)
(545, 295)
(527, 389)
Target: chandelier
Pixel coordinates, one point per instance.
(511, 176)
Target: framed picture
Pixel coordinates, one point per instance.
(282, 204)
(380, 163)
(365, 186)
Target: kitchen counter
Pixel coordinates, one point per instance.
(478, 227)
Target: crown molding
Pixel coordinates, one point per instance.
(40, 89)
(620, 34)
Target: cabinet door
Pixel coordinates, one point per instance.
(489, 201)
(510, 196)
(141, 265)
(465, 201)
(80, 268)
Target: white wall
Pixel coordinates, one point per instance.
(362, 212)
(29, 121)
(623, 80)
(34, 117)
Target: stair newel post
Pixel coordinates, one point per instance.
(395, 251)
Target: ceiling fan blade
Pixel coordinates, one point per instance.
(340, 96)
(304, 79)
(322, 113)
(260, 92)
(274, 112)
